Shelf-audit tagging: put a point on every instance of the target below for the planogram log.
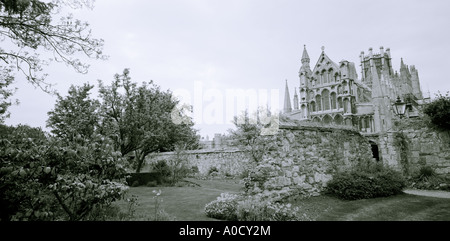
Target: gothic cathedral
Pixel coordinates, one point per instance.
(332, 94)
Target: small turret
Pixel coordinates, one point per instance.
(287, 100)
(295, 99)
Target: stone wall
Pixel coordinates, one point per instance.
(305, 158)
(227, 161)
(300, 160)
(427, 146)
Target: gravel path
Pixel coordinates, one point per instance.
(429, 193)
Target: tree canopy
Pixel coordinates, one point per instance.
(30, 27)
(139, 119)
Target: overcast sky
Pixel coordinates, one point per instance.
(207, 47)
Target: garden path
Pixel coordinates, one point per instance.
(429, 193)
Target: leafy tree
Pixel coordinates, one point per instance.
(5, 80)
(30, 26)
(253, 133)
(139, 119)
(49, 178)
(439, 111)
(75, 114)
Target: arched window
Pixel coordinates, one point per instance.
(316, 119)
(333, 100)
(340, 105)
(304, 112)
(324, 77)
(336, 77)
(346, 105)
(338, 120)
(327, 119)
(330, 75)
(318, 103)
(326, 99)
(339, 89)
(312, 106)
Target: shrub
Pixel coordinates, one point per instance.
(233, 207)
(253, 209)
(213, 169)
(224, 207)
(376, 181)
(427, 178)
(439, 111)
(50, 178)
(143, 178)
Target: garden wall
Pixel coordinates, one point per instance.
(227, 161)
(427, 146)
(301, 159)
(304, 159)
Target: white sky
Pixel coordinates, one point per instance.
(245, 44)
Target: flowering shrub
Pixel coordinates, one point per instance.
(45, 178)
(377, 181)
(233, 207)
(255, 209)
(224, 207)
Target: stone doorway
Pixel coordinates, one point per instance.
(375, 151)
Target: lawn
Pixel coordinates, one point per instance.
(186, 203)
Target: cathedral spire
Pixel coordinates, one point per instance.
(287, 100)
(295, 99)
(305, 56)
(402, 65)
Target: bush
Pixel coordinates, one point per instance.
(427, 178)
(376, 181)
(213, 170)
(233, 207)
(253, 209)
(439, 111)
(143, 178)
(50, 178)
(224, 207)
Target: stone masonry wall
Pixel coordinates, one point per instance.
(228, 162)
(301, 160)
(304, 159)
(427, 147)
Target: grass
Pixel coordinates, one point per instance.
(186, 203)
(402, 207)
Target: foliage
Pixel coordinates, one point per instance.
(439, 111)
(213, 170)
(224, 207)
(139, 119)
(178, 166)
(427, 178)
(75, 114)
(254, 209)
(235, 207)
(402, 143)
(143, 178)
(49, 178)
(254, 133)
(6, 79)
(370, 182)
(30, 25)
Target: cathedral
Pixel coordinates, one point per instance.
(332, 93)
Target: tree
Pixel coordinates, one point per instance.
(49, 178)
(75, 114)
(29, 26)
(139, 119)
(439, 111)
(253, 132)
